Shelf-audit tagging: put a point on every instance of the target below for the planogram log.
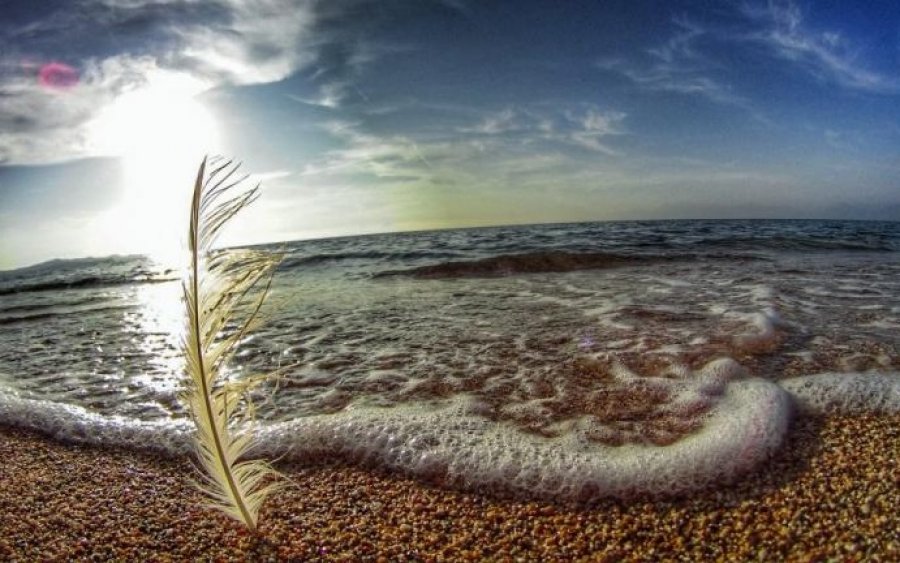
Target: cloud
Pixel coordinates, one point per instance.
(499, 145)
(263, 41)
(330, 96)
(596, 125)
(690, 61)
(382, 157)
(826, 54)
(270, 176)
(118, 46)
(679, 65)
(600, 123)
(502, 122)
(583, 127)
(501, 148)
(40, 125)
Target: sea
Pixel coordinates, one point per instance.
(570, 361)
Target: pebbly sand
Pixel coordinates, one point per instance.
(831, 493)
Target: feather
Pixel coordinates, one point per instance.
(223, 290)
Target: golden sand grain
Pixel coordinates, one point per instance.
(832, 493)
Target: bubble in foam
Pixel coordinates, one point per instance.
(845, 392)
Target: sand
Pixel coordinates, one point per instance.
(832, 492)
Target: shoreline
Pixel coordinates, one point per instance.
(831, 491)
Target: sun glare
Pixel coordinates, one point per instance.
(160, 132)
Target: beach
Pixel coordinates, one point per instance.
(830, 492)
(450, 280)
(697, 390)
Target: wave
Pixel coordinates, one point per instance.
(526, 263)
(53, 312)
(83, 282)
(56, 302)
(290, 263)
(70, 263)
(83, 273)
(453, 446)
(801, 243)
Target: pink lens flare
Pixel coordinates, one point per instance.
(57, 76)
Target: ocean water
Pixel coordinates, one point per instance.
(564, 361)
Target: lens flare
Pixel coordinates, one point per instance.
(57, 76)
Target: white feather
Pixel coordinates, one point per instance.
(219, 292)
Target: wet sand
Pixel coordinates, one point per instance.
(831, 493)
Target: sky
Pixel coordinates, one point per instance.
(362, 116)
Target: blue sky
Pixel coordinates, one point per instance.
(373, 116)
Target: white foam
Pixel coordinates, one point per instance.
(77, 424)
(845, 392)
(764, 335)
(715, 376)
(747, 424)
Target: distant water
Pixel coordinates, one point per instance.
(572, 360)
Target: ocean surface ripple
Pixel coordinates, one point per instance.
(562, 361)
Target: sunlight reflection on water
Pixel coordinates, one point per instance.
(157, 327)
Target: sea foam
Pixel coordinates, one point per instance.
(450, 445)
(73, 423)
(746, 426)
(846, 392)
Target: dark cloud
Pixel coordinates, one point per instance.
(94, 29)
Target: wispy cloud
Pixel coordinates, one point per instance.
(690, 62)
(269, 176)
(583, 127)
(394, 158)
(503, 122)
(679, 65)
(338, 65)
(594, 126)
(329, 96)
(827, 54)
(501, 144)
